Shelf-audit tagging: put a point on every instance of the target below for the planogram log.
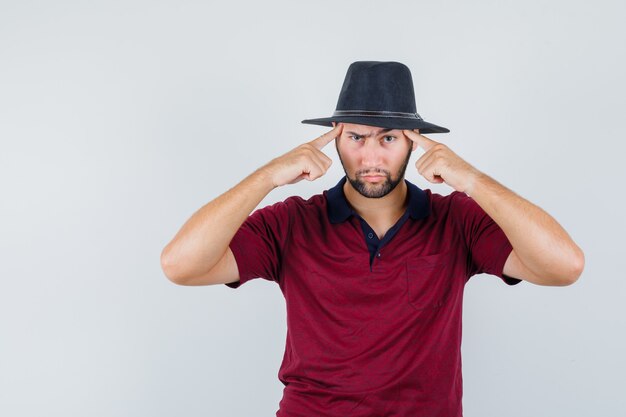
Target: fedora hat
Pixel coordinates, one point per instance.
(378, 94)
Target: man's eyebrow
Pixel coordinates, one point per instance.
(358, 134)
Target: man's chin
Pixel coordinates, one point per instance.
(374, 187)
(371, 190)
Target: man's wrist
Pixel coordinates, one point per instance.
(264, 178)
(475, 182)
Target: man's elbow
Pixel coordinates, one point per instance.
(170, 268)
(563, 274)
(574, 269)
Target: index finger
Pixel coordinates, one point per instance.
(327, 137)
(420, 139)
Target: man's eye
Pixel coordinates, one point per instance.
(391, 139)
(355, 138)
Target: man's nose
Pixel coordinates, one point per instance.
(371, 153)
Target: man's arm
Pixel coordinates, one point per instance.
(543, 252)
(199, 254)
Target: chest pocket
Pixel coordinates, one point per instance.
(429, 280)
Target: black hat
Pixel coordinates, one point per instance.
(378, 94)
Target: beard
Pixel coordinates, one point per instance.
(370, 190)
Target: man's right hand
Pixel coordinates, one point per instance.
(307, 161)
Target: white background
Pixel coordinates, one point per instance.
(118, 120)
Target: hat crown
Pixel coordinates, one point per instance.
(377, 86)
(377, 93)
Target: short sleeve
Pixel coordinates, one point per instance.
(487, 244)
(257, 244)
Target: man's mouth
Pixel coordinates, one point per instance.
(373, 178)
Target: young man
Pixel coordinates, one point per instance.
(372, 270)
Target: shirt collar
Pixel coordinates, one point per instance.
(339, 210)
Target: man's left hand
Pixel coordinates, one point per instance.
(439, 164)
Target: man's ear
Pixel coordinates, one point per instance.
(337, 139)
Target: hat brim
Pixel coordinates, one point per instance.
(386, 122)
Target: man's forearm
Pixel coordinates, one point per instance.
(542, 245)
(204, 238)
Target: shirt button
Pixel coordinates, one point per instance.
(378, 254)
(371, 235)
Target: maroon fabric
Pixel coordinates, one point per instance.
(379, 342)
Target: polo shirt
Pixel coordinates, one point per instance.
(339, 210)
(371, 335)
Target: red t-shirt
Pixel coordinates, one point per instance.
(379, 339)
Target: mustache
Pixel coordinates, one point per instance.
(373, 171)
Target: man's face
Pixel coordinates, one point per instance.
(373, 158)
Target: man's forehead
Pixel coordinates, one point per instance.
(364, 130)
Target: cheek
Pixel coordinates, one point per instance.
(345, 146)
(349, 153)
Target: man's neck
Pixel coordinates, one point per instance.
(386, 209)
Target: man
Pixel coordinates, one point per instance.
(372, 270)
